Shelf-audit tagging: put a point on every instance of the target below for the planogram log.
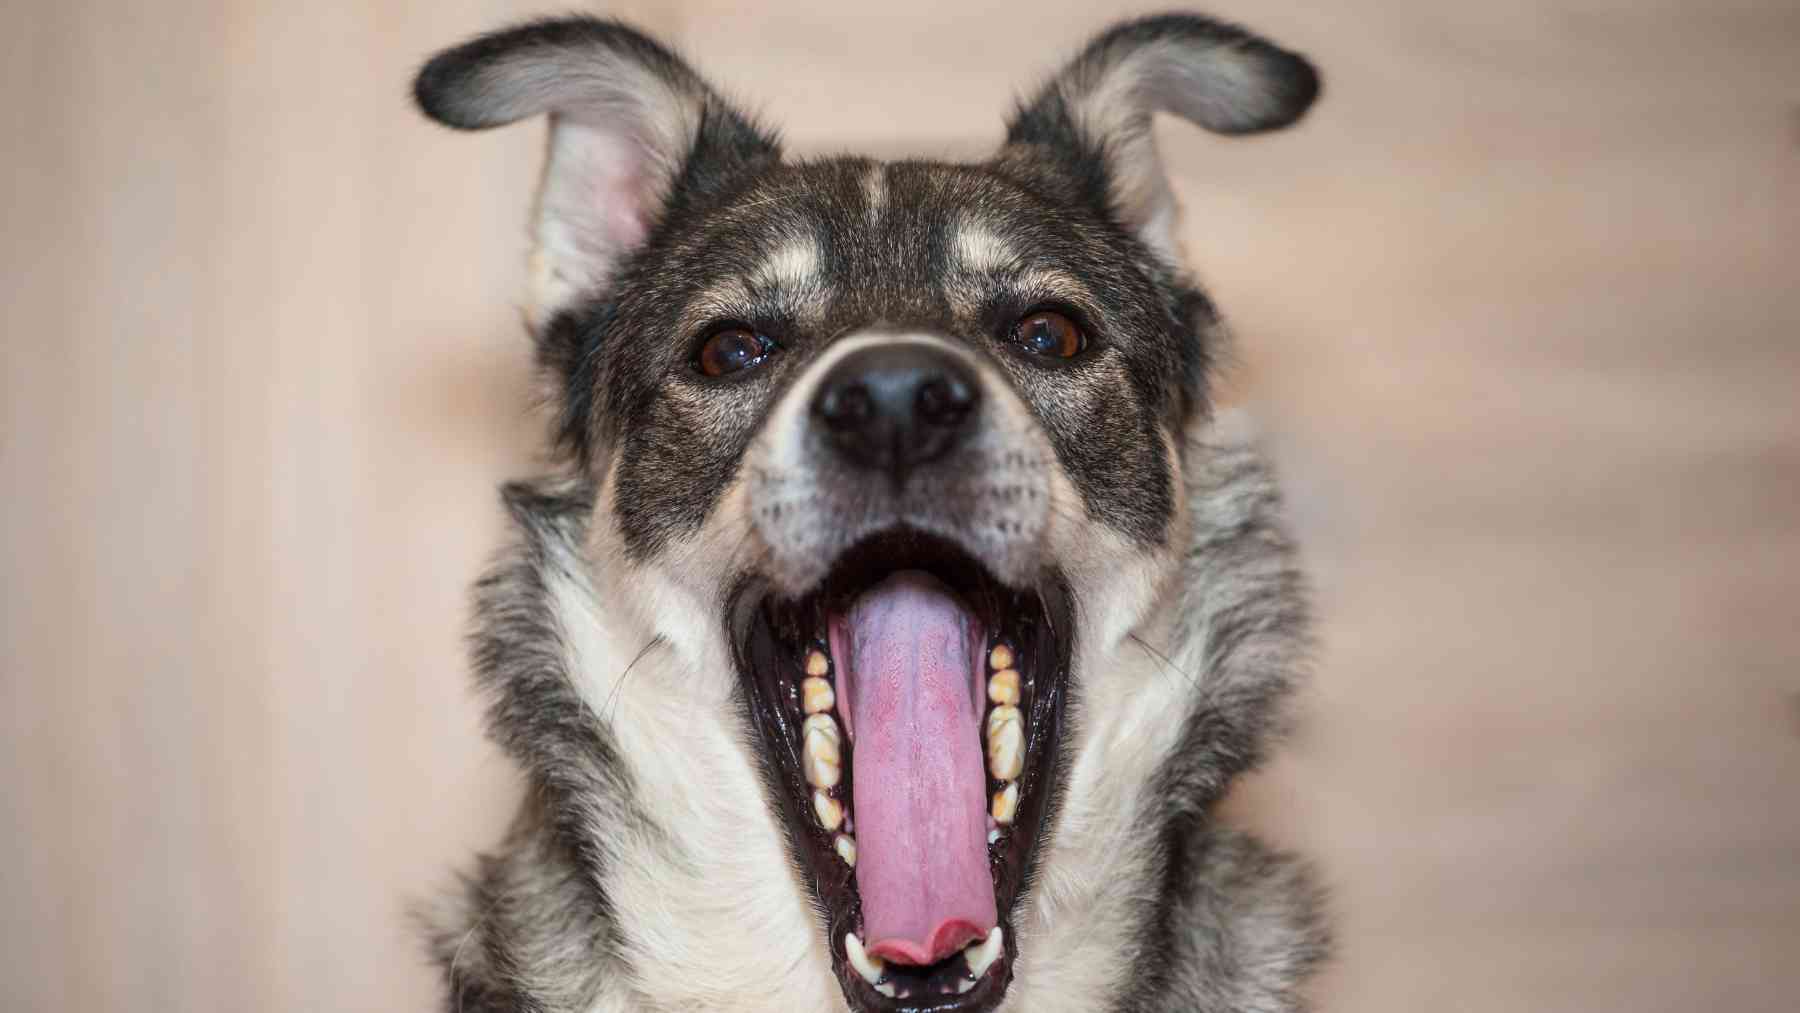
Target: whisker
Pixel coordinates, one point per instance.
(1163, 658)
(613, 698)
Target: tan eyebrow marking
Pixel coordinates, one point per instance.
(794, 264)
(982, 250)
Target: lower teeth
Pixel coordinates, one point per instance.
(982, 955)
(872, 969)
(978, 956)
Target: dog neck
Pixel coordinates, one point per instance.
(636, 737)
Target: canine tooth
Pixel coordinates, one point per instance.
(817, 663)
(1001, 657)
(871, 968)
(829, 810)
(1005, 743)
(820, 754)
(816, 695)
(993, 834)
(1003, 687)
(982, 955)
(886, 989)
(963, 986)
(846, 849)
(1006, 806)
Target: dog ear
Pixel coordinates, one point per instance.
(1094, 116)
(632, 129)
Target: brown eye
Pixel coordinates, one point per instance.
(733, 350)
(1050, 334)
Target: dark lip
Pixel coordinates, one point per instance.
(764, 656)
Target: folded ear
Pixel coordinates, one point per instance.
(631, 127)
(1095, 114)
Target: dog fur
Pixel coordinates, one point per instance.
(647, 869)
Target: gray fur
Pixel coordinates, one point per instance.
(678, 489)
(1239, 931)
(1244, 601)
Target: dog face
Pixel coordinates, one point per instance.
(897, 445)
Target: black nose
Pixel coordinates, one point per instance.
(893, 408)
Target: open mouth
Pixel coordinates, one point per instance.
(910, 710)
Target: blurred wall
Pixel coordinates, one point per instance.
(1517, 310)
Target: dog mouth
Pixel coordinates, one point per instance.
(910, 711)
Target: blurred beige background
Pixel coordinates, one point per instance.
(1517, 309)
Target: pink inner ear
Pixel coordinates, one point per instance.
(621, 197)
(594, 206)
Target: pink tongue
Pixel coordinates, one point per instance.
(920, 785)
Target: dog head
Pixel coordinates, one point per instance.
(892, 447)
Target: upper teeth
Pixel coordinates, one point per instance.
(821, 755)
(1006, 804)
(1005, 733)
(1005, 742)
(829, 810)
(816, 695)
(1003, 687)
(820, 751)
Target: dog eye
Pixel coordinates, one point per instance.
(1049, 333)
(733, 350)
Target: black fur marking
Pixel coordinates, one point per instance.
(568, 353)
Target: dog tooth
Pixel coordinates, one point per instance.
(846, 849)
(1005, 743)
(1001, 657)
(963, 986)
(820, 754)
(870, 968)
(982, 955)
(1003, 687)
(829, 810)
(816, 695)
(993, 835)
(822, 724)
(1003, 714)
(886, 990)
(817, 663)
(1006, 806)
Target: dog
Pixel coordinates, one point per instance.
(896, 607)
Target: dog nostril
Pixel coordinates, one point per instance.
(846, 406)
(944, 400)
